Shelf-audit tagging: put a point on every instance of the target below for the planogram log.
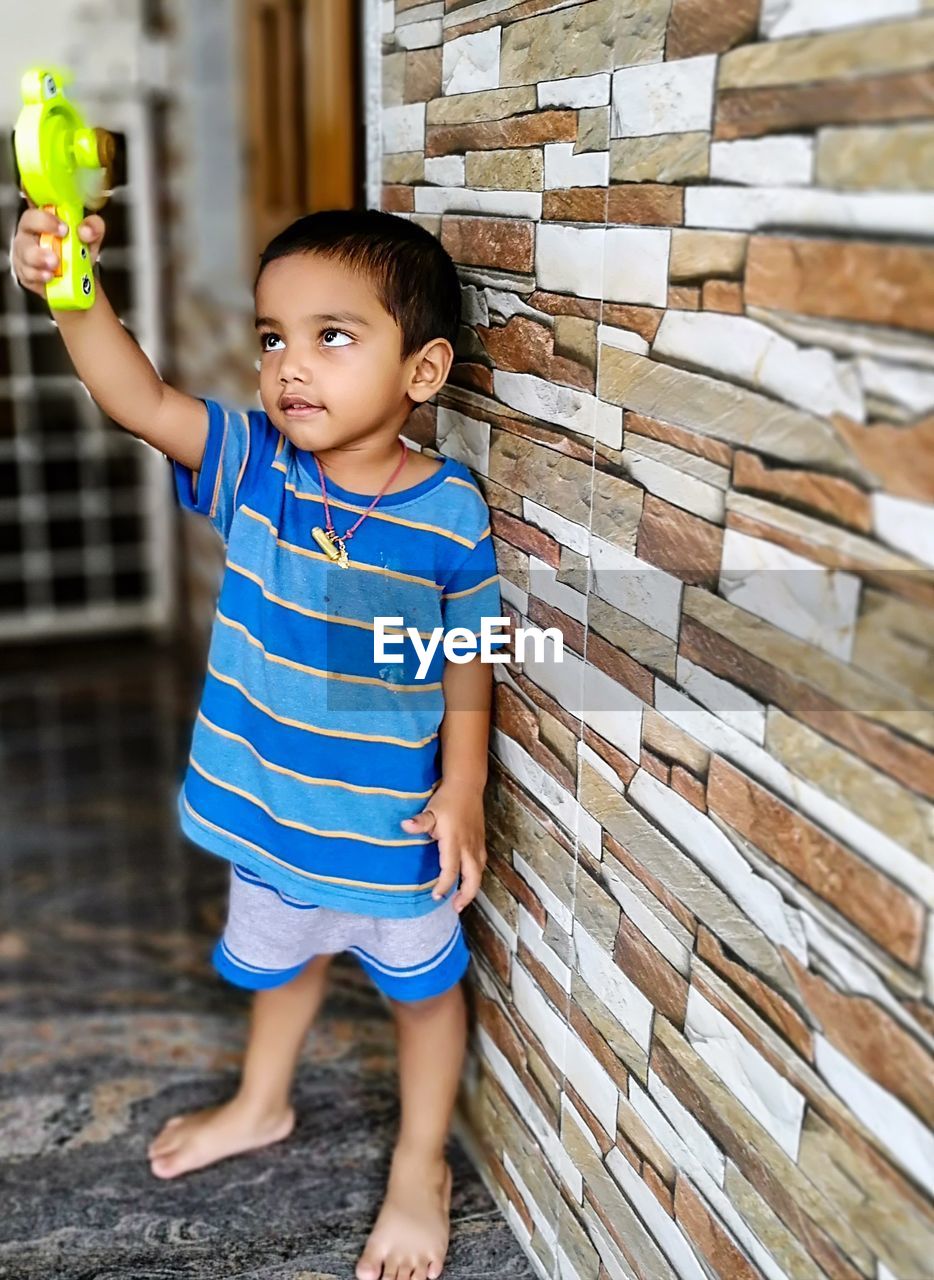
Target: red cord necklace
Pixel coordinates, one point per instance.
(328, 540)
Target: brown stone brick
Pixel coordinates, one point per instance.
(749, 113)
(642, 320)
(691, 788)
(722, 295)
(684, 297)
(595, 1042)
(871, 741)
(901, 456)
(622, 766)
(620, 667)
(770, 1004)
(651, 972)
(398, 199)
(869, 1036)
(565, 304)
(683, 544)
(485, 941)
(507, 243)
(648, 204)
(659, 1190)
(889, 284)
(472, 377)
(706, 1234)
(702, 446)
(423, 74)
(522, 345)
(526, 537)
(495, 135)
(885, 912)
(696, 26)
(575, 204)
(654, 765)
(808, 489)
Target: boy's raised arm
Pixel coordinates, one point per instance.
(108, 361)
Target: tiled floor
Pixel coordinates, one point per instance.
(111, 1018)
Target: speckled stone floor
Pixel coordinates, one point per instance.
(111, 1017)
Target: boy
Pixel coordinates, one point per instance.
(346, 794)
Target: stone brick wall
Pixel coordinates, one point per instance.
(696, 385)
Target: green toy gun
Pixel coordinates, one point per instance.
(65, 168)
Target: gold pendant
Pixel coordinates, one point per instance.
(332, 546)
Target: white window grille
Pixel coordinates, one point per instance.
(85, 508)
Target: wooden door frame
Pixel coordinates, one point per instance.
(331, 123)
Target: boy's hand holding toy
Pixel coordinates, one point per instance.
(65, 167)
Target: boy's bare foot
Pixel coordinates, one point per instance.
(204, 1137)
(410, 1237)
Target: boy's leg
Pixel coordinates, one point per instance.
(410, 1237)
(260, 1112)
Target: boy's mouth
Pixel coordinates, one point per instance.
(298, 407)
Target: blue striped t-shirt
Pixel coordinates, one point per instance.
(308, 751)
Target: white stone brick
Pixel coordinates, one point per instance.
(564, 406)
(905, 524)
(756, 356)
(570, 259)
(904, 391)
(464, 438)
(575, 91)
(490, 913)
(404, 128)
(783, 161)
(521, 1099)
(909, 1141)
(470, 63)
(751, 208)
(540, 1215)
(419, 35)
(635, 268)
(805, 599)
(732, 705)
(546, 789)
(596, 1087)
(673, 485)
(565, 169)
(622, 339)
(688, 1142)
(568, 532)
(618, 992)
(636, 587)
(549, 900)
(544, 585)
(445, 171)
(753, 1081)
(531, 933)
(505, 204)
(664, 97)
(798, 17)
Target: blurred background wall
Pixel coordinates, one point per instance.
(695, 382)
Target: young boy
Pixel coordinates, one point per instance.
(345, 791)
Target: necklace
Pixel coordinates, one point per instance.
(328, 540)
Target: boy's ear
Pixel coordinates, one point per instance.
(430, 369)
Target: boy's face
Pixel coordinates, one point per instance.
(326, 340)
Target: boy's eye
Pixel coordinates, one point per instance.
(264, 338)
(325, 332)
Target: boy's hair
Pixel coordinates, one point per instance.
(413, 275)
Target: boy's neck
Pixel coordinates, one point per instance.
(364, 466)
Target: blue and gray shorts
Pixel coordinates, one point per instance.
(270, 937)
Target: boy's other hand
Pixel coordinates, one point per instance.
(454, 817)
(34, 266)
